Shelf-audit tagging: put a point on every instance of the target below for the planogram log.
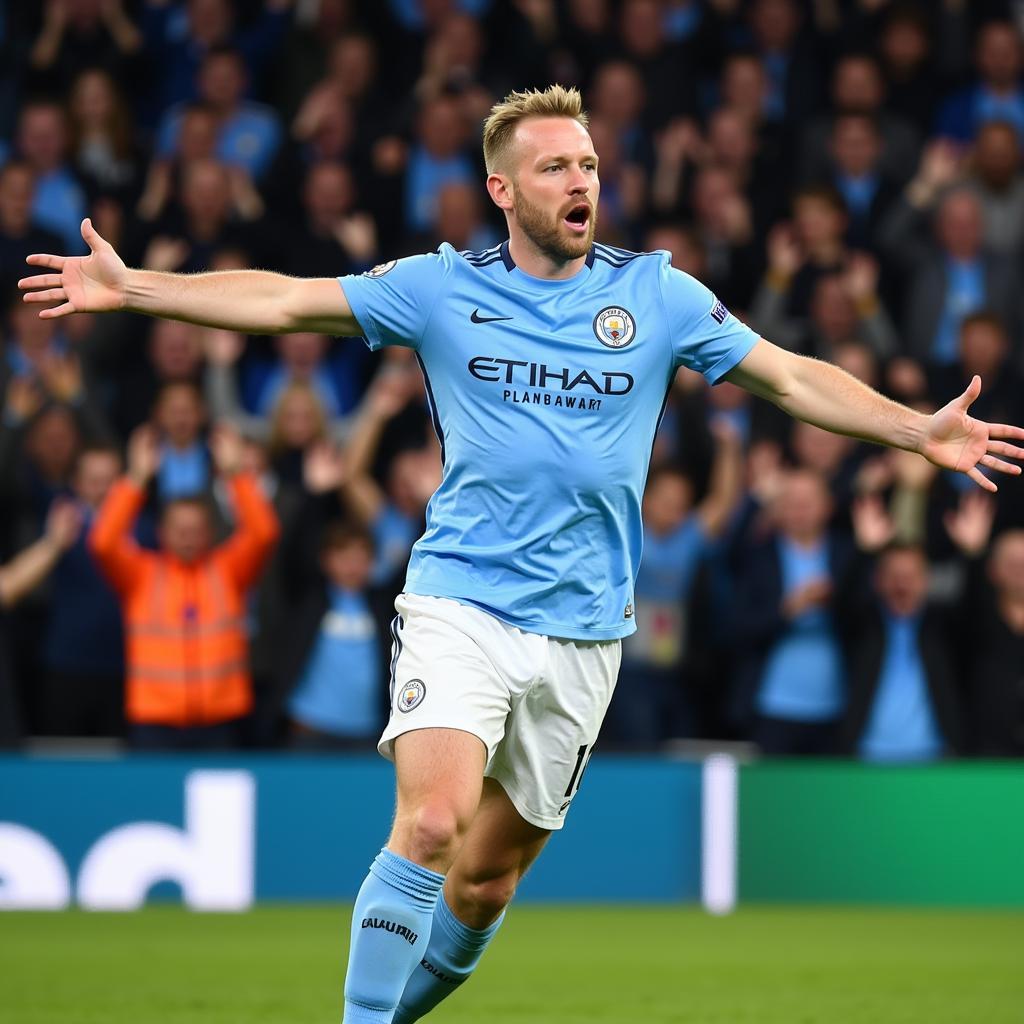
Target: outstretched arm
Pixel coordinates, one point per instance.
(829, 397)
(251, 301)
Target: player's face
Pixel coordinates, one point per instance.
(556, 186)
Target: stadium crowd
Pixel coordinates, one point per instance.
(202, 534)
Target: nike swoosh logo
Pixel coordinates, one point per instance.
(476, 318)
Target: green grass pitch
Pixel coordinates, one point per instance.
(570, 965)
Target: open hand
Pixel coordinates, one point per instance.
(81, 284)
(954, 440)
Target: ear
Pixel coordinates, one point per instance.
(500, 189)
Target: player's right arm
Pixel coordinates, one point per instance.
(250, 301)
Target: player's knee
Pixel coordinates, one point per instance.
(433, 835)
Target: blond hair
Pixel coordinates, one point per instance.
(499, 128)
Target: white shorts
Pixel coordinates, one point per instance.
(536, 702)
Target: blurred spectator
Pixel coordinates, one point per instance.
(856, 150)
(248, 134)
(664, 65)
(724, 223)
(617, 98)
(997, 180)
(653, 701)
(80, 34)
(799, 253)
(453, 61)
(858, 88)
(217, 210)
(997, 95)
(18, 577)
(20, 232)
(131, 372)
(58, 202)
(188, 683)
(331, 372)
(338, 696)
(178, 35)
(40, 355)
(792, 678)
(437, 158)
(984, 350)
(956, 277)
(102, 139)
(332, 237)
(992, 628)
(845, 307)
(905, 52)
(833, 457)
(81, 692)
(179, 417)
(43, 447)
(903, 701)
(789, 61)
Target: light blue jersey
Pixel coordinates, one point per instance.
(545, 396)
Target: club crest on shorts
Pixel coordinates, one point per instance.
(614, 327)
(411, 695)
(381, 269)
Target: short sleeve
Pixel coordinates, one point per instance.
(392, 302)
(706, 337)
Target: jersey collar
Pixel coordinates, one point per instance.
(510, 264)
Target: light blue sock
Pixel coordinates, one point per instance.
(390, 928)
(451, 957)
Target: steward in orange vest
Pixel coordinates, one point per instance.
(184, 605)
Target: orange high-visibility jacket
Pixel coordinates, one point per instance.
(186, 645)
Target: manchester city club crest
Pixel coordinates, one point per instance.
(411, 695)
(381, 269)
(614, 327)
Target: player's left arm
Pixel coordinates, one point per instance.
(829, 397)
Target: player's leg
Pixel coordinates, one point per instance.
(481, 882)
(449, 706)
(439, 773)
(534, 774)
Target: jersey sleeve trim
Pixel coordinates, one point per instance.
(731, 359)
(370, 334)
(666, 260)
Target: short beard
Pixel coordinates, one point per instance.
(546, 234)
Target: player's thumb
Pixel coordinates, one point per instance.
(972, 392)
(91, 236)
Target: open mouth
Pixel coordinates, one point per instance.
(578, 218)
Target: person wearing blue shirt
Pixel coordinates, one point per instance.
(998, 95)
(793, 674)
(337, 699)
(248, 134)
(547, 360)
(899, 651)
(437, 159)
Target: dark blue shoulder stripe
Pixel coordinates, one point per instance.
(614, 250)
(618, 257)
(475, 257)
(617, 264)
(484, 263)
